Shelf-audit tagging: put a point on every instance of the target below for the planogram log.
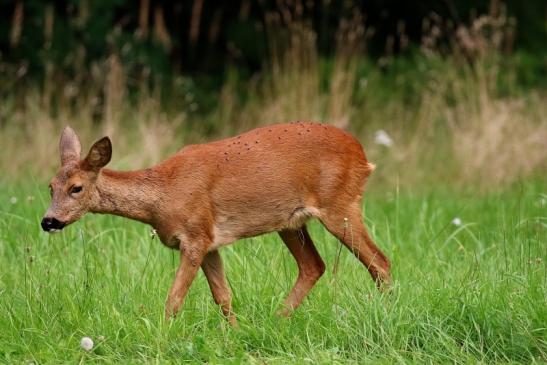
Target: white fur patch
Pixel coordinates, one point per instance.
(222, 237)
(224, 233)
(301, 215)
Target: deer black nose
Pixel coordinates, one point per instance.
(51, 224)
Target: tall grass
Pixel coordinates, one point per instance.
(453, 111)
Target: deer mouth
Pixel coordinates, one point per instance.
(52, 225)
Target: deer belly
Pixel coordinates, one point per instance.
(229, 228)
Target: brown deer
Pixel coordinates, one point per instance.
(209, 195)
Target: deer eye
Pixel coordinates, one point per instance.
(75, 189)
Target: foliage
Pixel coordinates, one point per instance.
(166, 38)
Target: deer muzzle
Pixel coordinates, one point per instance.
(52, 225)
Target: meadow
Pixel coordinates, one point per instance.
(458, 202)
(469, 287)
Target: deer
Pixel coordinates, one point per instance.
(206, 196)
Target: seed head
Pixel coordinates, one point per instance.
(86, 343)
(382, 138)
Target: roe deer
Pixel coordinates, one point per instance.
(209, 195)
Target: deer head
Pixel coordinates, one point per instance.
(73, 187)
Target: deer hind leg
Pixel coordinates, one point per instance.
(310, 266)
(214, 272)
(349, 228)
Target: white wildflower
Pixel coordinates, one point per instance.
(382, 138)
(457, 221)
(13, 200)
(86, 343)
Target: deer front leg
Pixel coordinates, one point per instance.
(190, 262)
(214, 272)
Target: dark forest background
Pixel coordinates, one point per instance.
(203, 37)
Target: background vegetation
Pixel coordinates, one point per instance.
(448, 98)
(465, 82)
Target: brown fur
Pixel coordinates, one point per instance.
(205, 196)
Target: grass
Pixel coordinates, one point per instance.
(463, 294)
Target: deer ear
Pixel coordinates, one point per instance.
(69, 146)
(99, 155)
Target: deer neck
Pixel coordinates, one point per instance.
(129, 194)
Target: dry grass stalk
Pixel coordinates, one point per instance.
(195, 20)
(49, 19)
(144, 11)
(16, 24)
(500, 141)
(160, 30)
(114, 94)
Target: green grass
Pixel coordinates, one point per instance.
(463, 294)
